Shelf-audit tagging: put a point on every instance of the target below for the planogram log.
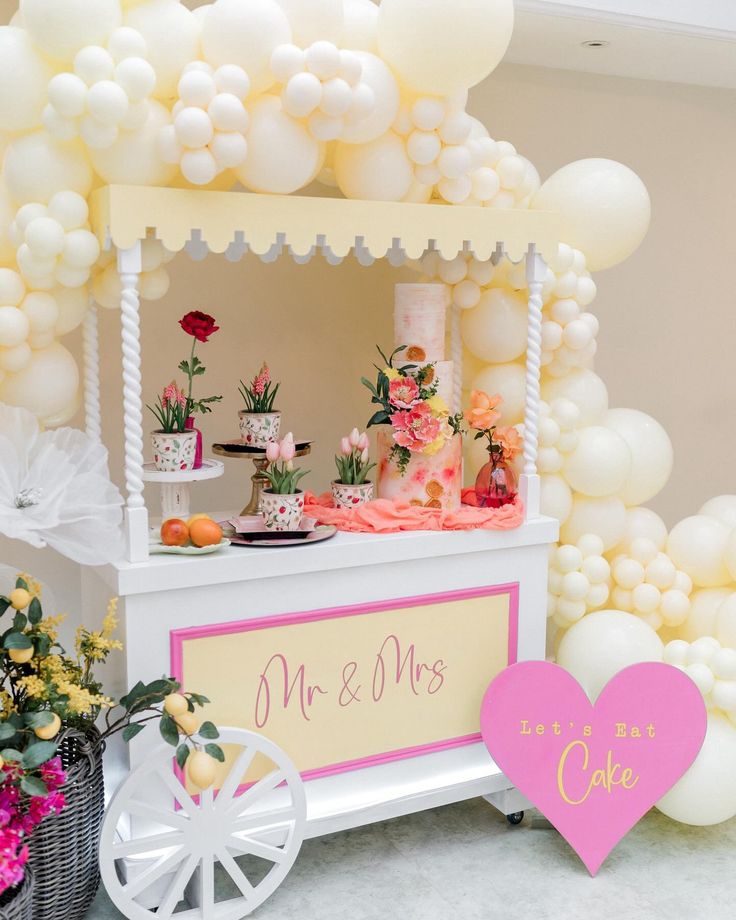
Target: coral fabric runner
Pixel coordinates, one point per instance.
(382, 516)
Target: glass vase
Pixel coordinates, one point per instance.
(495, 484)
(189, 424)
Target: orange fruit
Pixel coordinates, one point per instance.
(205, 532)
(174, 532)
(198, 517)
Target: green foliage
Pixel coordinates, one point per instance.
(182, 755)
(284, 478)
(208, 730)
(17, 640)
(168, 729)
(259, 402)
(38, 753)
(32, 785)
(214, 750)
(351, 469)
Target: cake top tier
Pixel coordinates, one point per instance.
(419, 322)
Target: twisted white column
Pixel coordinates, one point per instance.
(132, 390)
(91, 351)
(456, 354)
(535, 271)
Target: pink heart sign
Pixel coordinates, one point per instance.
(593, 769)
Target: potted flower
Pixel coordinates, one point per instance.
(259, 421)
(283, 504)
(496, 482)
(174, 446)
(351, 489)
(200, 326)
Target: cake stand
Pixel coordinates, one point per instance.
(175, 485)
(238, 450)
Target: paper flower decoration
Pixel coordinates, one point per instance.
(107, 92)
(55, 490)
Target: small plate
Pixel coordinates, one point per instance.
(239, 447)
(321, 532)
(155, 546)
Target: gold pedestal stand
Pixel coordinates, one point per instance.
(239, 450)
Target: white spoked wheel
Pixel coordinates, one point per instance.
(160, 846)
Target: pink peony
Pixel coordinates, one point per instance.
(403, 392)
(415, 428)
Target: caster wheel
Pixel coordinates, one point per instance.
(516, 818)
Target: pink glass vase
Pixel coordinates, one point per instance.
(189, 425)
(495, 484)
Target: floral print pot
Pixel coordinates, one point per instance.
(174, 450)
(282, 512)
(351, 496)
(257, 429)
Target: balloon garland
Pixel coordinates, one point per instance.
(276, 94)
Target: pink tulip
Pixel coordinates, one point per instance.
(272, 451)
(288, 448)
(345, 447)
(363, 442)
(364, 456)
(354, 437)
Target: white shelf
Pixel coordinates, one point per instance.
(210, 469)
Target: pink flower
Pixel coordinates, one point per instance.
(273, 451)
(403, 392)
(261, 380)
(364, 456)
(354, 437)
(345, 447)
(172, 394)
(416, 427)
(363, 442)
(287, 448)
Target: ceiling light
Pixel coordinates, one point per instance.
(595, 43)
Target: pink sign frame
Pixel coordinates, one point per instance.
(179, 636)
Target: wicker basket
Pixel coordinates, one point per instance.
(64, 847)
(17, 903)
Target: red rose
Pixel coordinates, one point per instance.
(200, 325)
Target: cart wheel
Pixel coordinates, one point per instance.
(184, 839)
(516, 818)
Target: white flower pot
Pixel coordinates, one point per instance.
(351, 496)
(174, 450)
(282, 512)
(257, 429)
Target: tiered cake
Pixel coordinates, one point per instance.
(432, 480)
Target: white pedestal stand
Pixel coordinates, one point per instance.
(175, 485)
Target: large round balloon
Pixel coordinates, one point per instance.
(697, 546)
(601, 644)
(360, 25)
(245, 34)
(379, 78)
(37, 166)
(439, 47)
(24, 78)
(652, 455)
(722, 508)
(706, 794)
(134, 158)
(555, 497)
(314, 20)
(496, 330)
(642, 522)
(282, 155)
(73, 304)
(599, 464)
(61, 29)
(604, 207)
(605, 517)
(725, 621)
(379, 170)
(7, 216)
(47, 387)
(509, 380)
(171, 32)
(705, 609)
(584, 388)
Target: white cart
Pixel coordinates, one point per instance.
(356, 666)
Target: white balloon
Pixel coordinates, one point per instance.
(193, 127)
(599, 464)
(604, 207)
(197, 87)
(107, 102)
(37, 166)
(81, 249)
(582, 387)
(722, 508)
(282, 154)
(725, 621)
(232, 79)
(96, 135)
(126, 43)
(45, 238)
(94, 63)
(72, 304)
(136, 77)
(555, 497)
(323, 59)
(24, 77)
(360, 26)
(697, 546)
(641, 522)
(325, 128)
(228, 113)
(286, 61)
(605, 517)
(229, 148)
(245, 34)
(466, 295)
(441, 48)
(336, 97)
(706, 794)
(652, 455)
(603, 643)
(61, 29)
(7, 213)
(33, 389)
(705, 608)
(385, 89)
(509, 380)
(302, 94)
(199, 166)
(16, 359)
(496, 330)
(134, 159)
(171, 33)
(379, 170)
(42, 311)
(69, 209)
(311, 20)
(155, 284)
(14, 327)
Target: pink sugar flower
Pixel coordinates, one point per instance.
(403, 392)
(415, 428)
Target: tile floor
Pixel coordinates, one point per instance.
(464, 862)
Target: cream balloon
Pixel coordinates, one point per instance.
(602, 643)
(582, 387)
(440, 48)
(379, 170)
(702, 618)
(722, 508)
(282, 155)
(599, 464)
(496, 330)
(604, 208)
(73, 304)
(725, 620)
(7, 216)
(641, 522)
(245, 34)
(134, 159)
(510, 381)
(382, 82)
(171, 33)
(61, 29)
(360, 25)
(605, 517)
(729, 555)
(652, 455)
(37, 166)
(24, 78)
(47, 387)
(313, 20)
(706, 794)
(555, 497)
(697, 546)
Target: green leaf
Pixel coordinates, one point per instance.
(11, 754)
(130, 731)
(35, 613)
(38, 719)
(379, 418)
(43, 646)
(32, 785)
(20, 621)
(198, 699)
(21, 583)
(4, 604)
(208, 730)
(7, 731)
(37, 754)
(17, 640)
(161, 687)
(168, 729)
(214, 750)
(182, 753)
